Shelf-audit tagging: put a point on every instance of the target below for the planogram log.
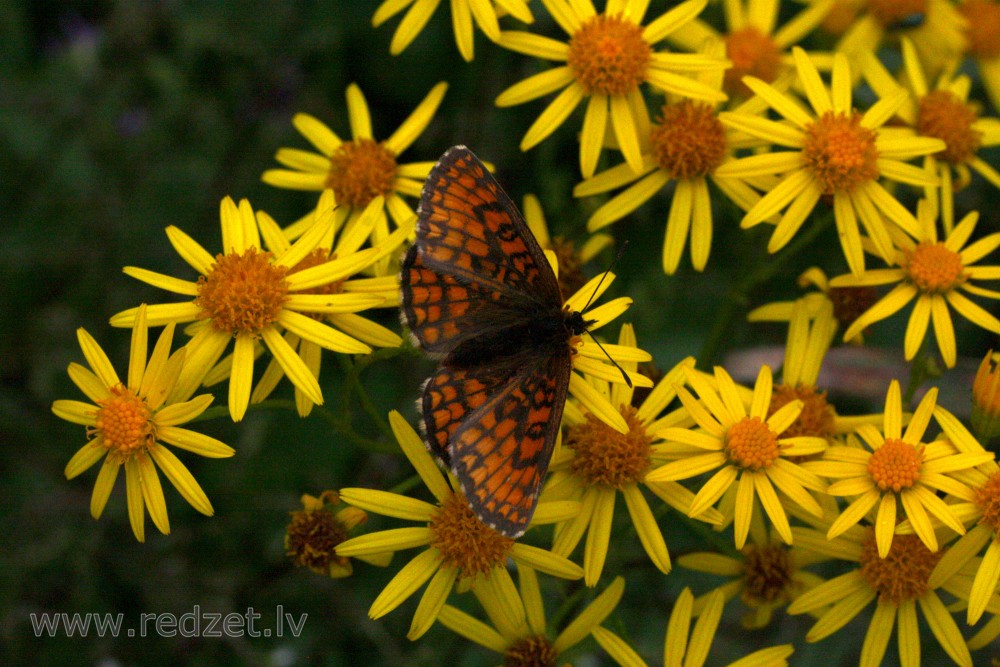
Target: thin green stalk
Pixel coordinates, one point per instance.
(736, 300)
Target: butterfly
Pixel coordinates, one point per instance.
(479, 295)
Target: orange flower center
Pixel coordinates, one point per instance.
(753, 53)
(988, 502)
(896, 465)
(984, 26)
(767, 575)
(893, 13)
(124, 423)
(609, 55)
(530, 652)
(816, 418)
(943, 115)
(312, 537)
(242, 293)
(902, 575)
(688, 141)
(933, 268)
(850, 302)
(361, 170)
(605, 457)
(839, 152)
(571, 276)
(751, 444)
(464, 541)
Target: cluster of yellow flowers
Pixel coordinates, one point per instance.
(910, 501)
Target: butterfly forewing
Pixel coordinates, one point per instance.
(468, 227)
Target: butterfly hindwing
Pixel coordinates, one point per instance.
(500, 452)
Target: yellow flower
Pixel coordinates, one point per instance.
(596, 463)
(934, 274)
(936, 28)
(837, 152)
(384, 287)
(983, 26)
(848, 302)
(570, 260)
(315, 531)
(463, 12)
(754, 43)
(898, 583)
(747, 449)
(899, 469)
(527, 642)
(766, 575)
(977, 502)
(459, 547)
(943, 113)
(130, 423)
(692, 650)
(360, 170)
(607, 58)
(247, 294)
(686, 146)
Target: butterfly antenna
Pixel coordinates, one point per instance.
(614, 363)
(621, 251)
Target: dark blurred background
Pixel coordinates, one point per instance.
(120, 118)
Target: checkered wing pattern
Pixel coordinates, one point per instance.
(469, 228)
(501, 451)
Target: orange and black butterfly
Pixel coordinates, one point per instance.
(479, 294)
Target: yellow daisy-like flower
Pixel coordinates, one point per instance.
(359, 170)
(680, 649)
(129, 424)
(528, 643)
(748, 450)
(933, 274)
(898, 468)
(248, 294)
(570, 259)
(314, 532)
(686, 146)
(607, 58)
(754, 43)
(898, 582)
(978, 502)
(386, 287)
(766, 575)
(459, 547)
(596, 463)
(982, 45)
(485, 14)
(848, 303)
(936, 28)
(837, 152)
(943, 113)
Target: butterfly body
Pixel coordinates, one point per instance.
(479, 295)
